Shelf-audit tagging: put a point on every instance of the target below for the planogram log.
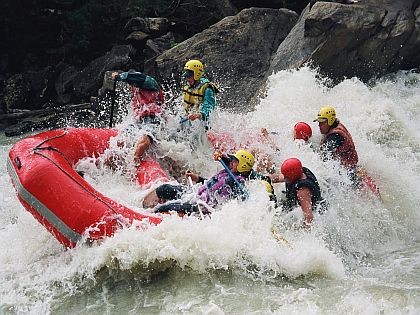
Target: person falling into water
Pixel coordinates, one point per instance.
(147, 105)
(215, 191)
(218, 189)
(337, 141)
(302, 189)
(302, 131)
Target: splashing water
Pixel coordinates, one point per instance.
(362, 257)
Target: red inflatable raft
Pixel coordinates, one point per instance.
(41, 168)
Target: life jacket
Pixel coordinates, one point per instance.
(220, 188)
(310, 182)
(146, 102)
(258, 176)
(193, 95)
(347, 151)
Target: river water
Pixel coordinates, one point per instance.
(362, 256)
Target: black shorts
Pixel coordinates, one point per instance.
(169, 192)
(180, 207)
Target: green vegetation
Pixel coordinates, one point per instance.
(51, 31)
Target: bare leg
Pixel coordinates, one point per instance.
(141, 146)
(151, 199)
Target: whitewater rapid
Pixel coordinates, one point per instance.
(361, 257)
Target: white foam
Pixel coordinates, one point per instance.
(36, 273)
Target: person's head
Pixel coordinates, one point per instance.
(326, 118)
(167, 192)
(302, 131)
(193, 70)
(291, 170)
(242, 161)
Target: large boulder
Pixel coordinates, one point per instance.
(153, 26)
(236, 52)
(42, 87)
(64, 84)
(17, 92)
(141, 29)
(410, 56)
(192, 16)
(88, 81)
(294, 5)
(366, 39)
(155, 47)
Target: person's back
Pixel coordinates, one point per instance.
(148, 114)
(308, 181)
(220, 188)
(147, 94)
(302, 189)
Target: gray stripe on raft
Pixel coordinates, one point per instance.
(40, 207)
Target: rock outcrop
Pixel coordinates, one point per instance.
(366, 39)
(236, 52)
(342, 38)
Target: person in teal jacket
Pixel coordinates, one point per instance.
(198, 92)
(147, 105)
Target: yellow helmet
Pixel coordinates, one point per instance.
(246, 160)
(328, 113)
(195, 66)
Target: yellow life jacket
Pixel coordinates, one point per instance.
(193, 96)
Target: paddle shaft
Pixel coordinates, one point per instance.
(113, 103)
(240, 186)
(193, 189)
(183, 120)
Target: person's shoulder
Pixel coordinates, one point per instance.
(121, 76)
(152, 81)
(259, 176)
(209, 84)
(305, 169)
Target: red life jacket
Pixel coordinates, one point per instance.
(146, 102)
(347, 151)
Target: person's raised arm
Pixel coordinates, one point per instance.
(137, 79)
(276, 178)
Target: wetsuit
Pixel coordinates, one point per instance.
(338, 143)
(310, 182)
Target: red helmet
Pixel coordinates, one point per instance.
(292, 169)
(302, 131)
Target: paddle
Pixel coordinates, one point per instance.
(183, 120)
(240, 186)
(280, 238)
(113, 103)
(195, 193)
